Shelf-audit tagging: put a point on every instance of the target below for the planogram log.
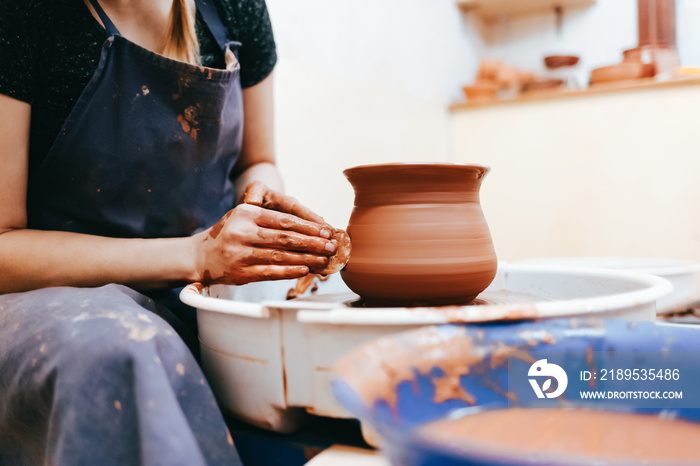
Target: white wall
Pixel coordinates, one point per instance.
(419, 47)
(363, 82)
(604, 175)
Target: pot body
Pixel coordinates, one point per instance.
(419, 235)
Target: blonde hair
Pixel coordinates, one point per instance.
(181, 43)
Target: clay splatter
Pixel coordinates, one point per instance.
(189, 121)
(216, 229)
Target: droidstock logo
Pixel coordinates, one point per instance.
(542, 368)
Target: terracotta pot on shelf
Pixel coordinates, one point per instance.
(507, 76)
(489, 68)
(542, 85)
(525, 77)
(656, 23)
(419, 234)
(656, 27)
(560, 61)
(481, 91)
(643, 56)
(620, 72)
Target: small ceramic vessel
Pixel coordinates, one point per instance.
(419, 234)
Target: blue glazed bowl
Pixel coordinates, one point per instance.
(402, 382)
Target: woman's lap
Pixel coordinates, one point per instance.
(95, 376)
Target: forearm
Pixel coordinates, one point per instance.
(266, 172)
(257, 160)
(31, 259)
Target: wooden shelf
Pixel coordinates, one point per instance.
(491, 10)
(594, 90)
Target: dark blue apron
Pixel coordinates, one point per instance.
(96, 375)
(148, 148)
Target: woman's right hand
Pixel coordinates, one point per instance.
(252, 243)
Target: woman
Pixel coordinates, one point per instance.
(124, 145)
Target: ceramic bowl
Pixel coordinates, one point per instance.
(481, 91)
(542, 84)
(560, 61)
(619, 72)
(401, 383)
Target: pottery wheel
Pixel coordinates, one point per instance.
(487, 298)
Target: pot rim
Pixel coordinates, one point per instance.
(379, 167)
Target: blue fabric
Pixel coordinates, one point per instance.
(211, 16)
(95, 376)
(108, 24)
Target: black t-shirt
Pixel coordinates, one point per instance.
(49, 50)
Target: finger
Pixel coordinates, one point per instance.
(338, 260)
(280, 257)
(292, 241)
(260, 195)
(281, 221)
(275, 272)
(254, 193)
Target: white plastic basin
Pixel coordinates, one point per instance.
(268, 360)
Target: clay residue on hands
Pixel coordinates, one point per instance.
(216, 229)
(342, 253)
(258, 194)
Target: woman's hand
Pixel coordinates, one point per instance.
(269, 236)
(257, 193)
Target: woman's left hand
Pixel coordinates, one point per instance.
(257, 193)
(269, 236)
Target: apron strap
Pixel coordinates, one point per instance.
(207, 9)
(109, 25)
(210, 15)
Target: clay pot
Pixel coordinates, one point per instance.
(481, 91)
(542, 84)
(419, 235)
(525, 77)
(656, 22)
(560, 61)
(507, 76)
(619, 72)
(489, 69)
(635, 56)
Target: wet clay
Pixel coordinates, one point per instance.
(342, 253)
(419, 234)
(577, 436)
